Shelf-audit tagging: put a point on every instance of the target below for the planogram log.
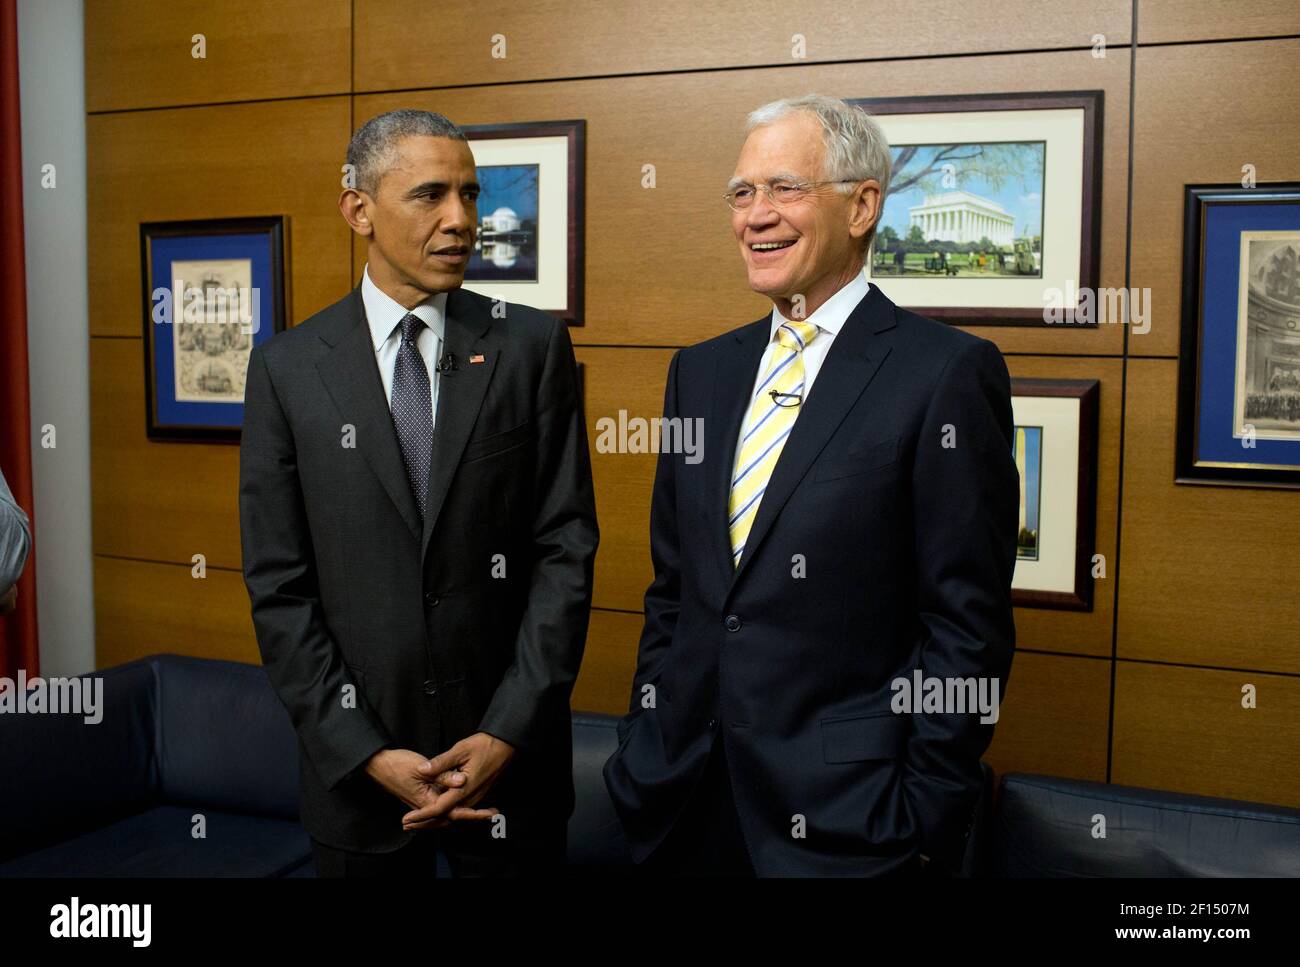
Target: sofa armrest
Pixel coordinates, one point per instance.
(66, 773)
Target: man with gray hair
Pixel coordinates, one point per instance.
(852, 524)
(419, 530)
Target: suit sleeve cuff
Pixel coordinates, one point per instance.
(356, 770)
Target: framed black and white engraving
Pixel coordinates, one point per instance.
(213, 289)
(1239, 359)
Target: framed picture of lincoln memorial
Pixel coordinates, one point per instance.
(993, 211)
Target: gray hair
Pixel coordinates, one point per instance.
(856, 147)
(371, 150)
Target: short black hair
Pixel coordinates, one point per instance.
(370, 151)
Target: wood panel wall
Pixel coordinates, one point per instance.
(1144, 690)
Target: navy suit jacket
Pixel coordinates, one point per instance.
(885, 543)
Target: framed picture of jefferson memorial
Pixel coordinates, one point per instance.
(993, 211)
(529, 244)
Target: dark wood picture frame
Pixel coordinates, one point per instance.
(1092, 104)
(273, 225)
(575, 130)
(1088, 393)
(1187, 469)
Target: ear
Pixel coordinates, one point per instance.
(864, 207)
(356, 207)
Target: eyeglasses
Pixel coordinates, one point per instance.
(779, 193)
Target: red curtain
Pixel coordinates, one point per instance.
(17, 630)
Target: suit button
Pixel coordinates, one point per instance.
(732, 622)
(431, 599)
(430, 688)
(713, 724)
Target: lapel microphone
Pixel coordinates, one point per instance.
(446, 366)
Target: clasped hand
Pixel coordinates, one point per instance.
(446, 788)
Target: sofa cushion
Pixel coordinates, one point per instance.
(158, 842)
(225, 739)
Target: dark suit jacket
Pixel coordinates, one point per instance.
(908, 548)
(348, 587)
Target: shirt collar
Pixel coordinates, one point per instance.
(384, 313)
(831, 315)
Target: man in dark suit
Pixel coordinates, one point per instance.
(852, 523)
(418, 531)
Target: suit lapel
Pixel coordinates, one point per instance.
(460, 396)
(733, 378)
(351, 376)
(853, 360)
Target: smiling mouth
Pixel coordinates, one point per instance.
(771, 246)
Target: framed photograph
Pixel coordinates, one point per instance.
(993, 216)
(530, 242)
(1055, 449)
(213, 289)
(1239, 358)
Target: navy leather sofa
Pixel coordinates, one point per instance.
(192, 745)
(180, 737)
(193, 772)
(1049, 827)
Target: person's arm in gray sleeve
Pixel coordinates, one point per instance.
(15, 539)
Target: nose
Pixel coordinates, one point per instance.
(458, 215)
(762, 212)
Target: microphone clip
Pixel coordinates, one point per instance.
(447, 365)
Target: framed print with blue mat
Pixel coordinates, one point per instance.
(213, 290)
(1239, 359)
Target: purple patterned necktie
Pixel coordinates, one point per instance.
(412, 409)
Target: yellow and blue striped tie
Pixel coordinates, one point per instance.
(769, 422)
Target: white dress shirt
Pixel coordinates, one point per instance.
(384, 316)
(829, 317)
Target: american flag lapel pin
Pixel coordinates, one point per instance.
(476, 358)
